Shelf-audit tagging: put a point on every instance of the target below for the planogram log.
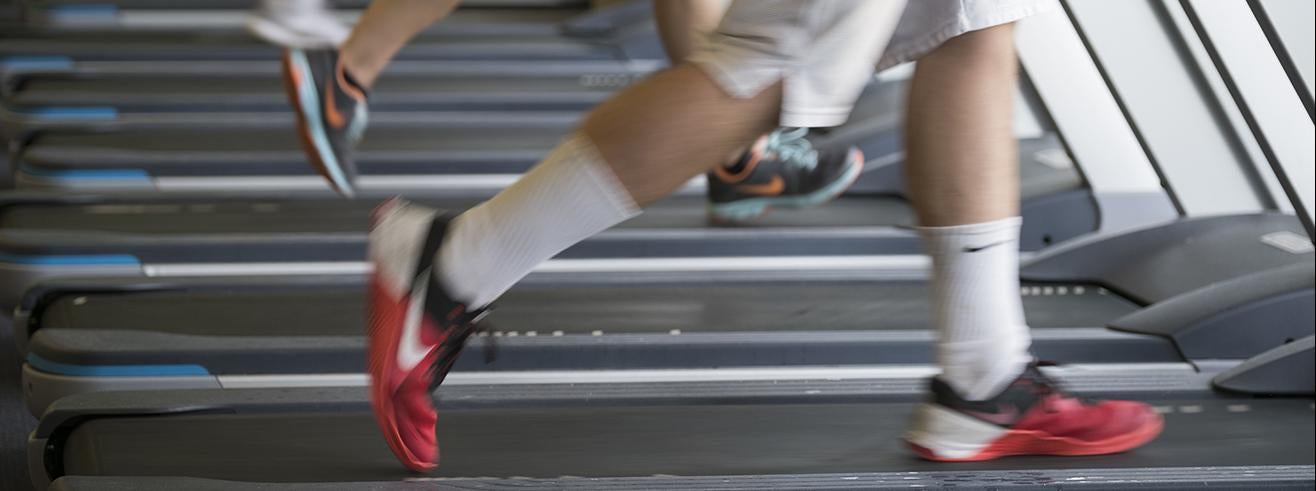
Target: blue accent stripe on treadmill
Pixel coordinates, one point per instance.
(86, 174)
(83, 11)
(36, 63)
(72, 260)
(79, 113)
(115, 370)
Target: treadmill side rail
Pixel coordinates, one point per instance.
(1236, 318)
(1287, 370)
(1241, 477)
(1156, 263)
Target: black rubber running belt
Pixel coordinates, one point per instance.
(341, 4)
(265, 94)
(250, 152)
(238, 45)
(161, 230)
(186, 216)
(231, 331)
(322, 446)
(771, 306)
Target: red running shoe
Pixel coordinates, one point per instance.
(1031, 417)
(416, 329)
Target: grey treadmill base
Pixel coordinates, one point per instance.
(1240, 477)
(1223, 287)
(1156, 263)
(1235, 318)
(1289, 369)
(41, 389)
(19, 276)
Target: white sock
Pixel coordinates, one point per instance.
(976, 306)
(567, 198)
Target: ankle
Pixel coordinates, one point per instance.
(982, 377)
(735, 162)
(361, 75)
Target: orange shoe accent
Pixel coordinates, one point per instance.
(292, 77)
(770, 188)
(755, 154)
(331, 112)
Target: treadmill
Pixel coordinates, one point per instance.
(1203, 291)
(220, 14)
(1215, 313)
(154, 235)
(48, 234)
(105, 32)
(87, 335)
(256, 86)
(435, 97)
(412, 151)
(243, 4)
(827, 433)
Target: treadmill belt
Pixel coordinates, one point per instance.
(267, 93)
(613, 309)
(246, 152)
(319, 446)
(286, 217)
(238, 45)
(142, 143)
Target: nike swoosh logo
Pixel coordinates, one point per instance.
(988, 246)
(1004, 415)
(770, 188)
(331, 113)
(411, 350)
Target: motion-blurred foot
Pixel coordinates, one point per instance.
(1031, 417)
(781, 169)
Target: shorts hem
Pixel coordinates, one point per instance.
(814, 118)
(913, 50)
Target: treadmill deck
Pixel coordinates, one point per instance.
(640, 441)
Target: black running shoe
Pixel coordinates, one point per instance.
(331, 113)
(781, 169)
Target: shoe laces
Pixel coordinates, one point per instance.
(1045, 386)
(791, 146)
(448, 350)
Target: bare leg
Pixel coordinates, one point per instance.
(630, 151)
(384, 29)
(681, 25)
(682, 22)
(673, 126)
(962, 164)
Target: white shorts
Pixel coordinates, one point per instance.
(825, 51)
